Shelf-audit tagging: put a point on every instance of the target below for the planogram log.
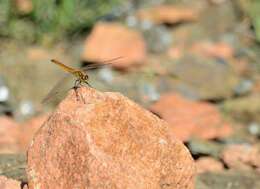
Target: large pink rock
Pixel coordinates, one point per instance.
(104, 140)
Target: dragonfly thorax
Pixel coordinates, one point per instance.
(79, 75)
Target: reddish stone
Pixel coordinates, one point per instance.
(241, 156)
(104, 140)
(206, 164)
(24, 6)
(8, 135)
(218, 50)
(190, 118)
(6, 183)
(169, 14)
(111, 40)
(28, 129)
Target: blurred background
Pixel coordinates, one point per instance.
(194, 63)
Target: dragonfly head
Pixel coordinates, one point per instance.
(85, 77)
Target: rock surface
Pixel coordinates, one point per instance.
(217, 50)
(117, 41)
(205, 78)
(6, 183)
(206, 164)
(13, 166)
(103, 140)
(8, 135)
(244, 108)
(190, 118)
(169, 14)
(239, 156)
(27, 131)
(228, 180)
(211, 148)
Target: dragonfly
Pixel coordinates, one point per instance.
(80, 75)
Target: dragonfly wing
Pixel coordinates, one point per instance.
(94, 66)
(56, 89)
(100, 64)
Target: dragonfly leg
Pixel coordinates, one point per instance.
(76, 92)
(88, 84)
(75, 87)
(76, 83)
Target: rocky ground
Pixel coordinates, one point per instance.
(193, 65)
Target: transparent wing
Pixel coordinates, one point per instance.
(100, 64)
(57, 88)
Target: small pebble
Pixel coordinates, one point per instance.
(4, 93)
(26, 108)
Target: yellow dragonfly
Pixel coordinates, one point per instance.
(80, 75)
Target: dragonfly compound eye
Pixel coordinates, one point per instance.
(85, 77)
